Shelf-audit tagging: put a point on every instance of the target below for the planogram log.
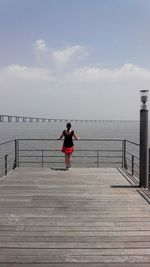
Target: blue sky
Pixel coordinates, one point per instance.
(74, 48)
(114, 31)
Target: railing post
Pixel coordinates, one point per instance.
(132, 164)
(97, 159)
(16, 163)
(42, 159)
(124, 163)
(6, 171)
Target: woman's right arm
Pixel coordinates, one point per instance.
(76, 137)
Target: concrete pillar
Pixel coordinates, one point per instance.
(9, 118)
(144, 140)
(1, 118)
(17, 119)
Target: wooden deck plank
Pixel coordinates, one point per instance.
(76, 259)
(84, 217)
(75, 245)
(76, 265)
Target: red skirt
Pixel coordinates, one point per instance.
(67, 150)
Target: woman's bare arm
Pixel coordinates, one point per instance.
(76, 137)
(62, 135)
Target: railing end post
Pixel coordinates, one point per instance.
(132, 165)
(6, 164)
(124, 162)
(16, 162)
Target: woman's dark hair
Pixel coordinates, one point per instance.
(68, 125)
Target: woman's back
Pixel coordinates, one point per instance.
(68, 142)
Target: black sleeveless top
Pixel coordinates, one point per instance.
(68, 142)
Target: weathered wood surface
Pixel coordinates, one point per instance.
(82, 217)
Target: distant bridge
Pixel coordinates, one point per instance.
(12, 118)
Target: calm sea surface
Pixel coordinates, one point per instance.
(123, 130)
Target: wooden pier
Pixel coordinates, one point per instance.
(78, 218)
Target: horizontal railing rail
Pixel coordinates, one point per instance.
(77, 155)
(80, 140)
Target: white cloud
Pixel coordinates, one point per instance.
(121, 74)
(63, 56)
(40, 45)
(58, 58)
(17, 73)
(88, 92)
(40, 52)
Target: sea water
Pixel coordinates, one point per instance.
(115, 129)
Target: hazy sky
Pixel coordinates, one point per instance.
(82, 59)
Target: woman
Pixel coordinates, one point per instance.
(68, 146)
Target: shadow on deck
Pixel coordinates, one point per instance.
(83, 217)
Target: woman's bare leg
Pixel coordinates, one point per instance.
(69, 165)
(67, 160)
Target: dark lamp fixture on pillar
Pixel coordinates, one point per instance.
(144, 98)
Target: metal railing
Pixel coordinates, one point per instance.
(131, 157)
(82, 156)
(100, 153)
(8, 156)
(88, 153)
